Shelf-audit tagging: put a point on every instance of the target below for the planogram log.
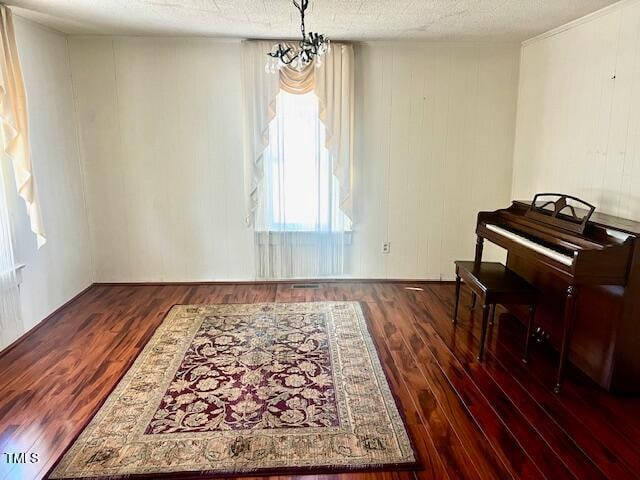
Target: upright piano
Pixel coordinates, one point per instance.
(586, 266)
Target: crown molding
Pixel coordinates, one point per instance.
(580, 21)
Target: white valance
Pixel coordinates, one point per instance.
(15, 122)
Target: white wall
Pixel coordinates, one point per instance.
(62, 267)
(578, 128)
(435, 127)
(160, 130)
(161, 138)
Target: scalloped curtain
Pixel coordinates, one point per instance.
(333, 84)
(15, 123)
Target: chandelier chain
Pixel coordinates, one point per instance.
(301, 8)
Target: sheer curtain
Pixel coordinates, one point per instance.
(300, 230)
(10, 319)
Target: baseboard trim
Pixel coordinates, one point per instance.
(42, 322)
(276, 282)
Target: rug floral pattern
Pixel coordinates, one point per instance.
(252, 372)
(247, 388)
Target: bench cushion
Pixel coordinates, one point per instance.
(496, 283)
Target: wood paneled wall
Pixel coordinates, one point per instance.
(161, 142)
(435, 127)
(578, 123)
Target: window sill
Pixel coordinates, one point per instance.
(274, 237)
(303, 232)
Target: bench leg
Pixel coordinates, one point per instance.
(483, 336)
(569, 315)
(532, 315)
(455, 308)
(479, 248)
(477, 261)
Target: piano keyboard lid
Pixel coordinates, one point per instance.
(540, 248)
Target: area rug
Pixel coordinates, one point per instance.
(233, 389)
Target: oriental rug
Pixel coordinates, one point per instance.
(231, 389)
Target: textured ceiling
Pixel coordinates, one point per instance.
(340, 19)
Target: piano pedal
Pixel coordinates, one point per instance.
(541, 336)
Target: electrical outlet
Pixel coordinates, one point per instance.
(386, 247)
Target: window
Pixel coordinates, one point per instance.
(300, 230)
(300, 191)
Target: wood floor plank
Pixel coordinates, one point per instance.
(452, 451)
(603, 454)
(553, 444)
(461, 414)
(454, 412)
(503, 443)
(430, 458)
(614, 423)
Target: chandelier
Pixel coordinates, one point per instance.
(312, 47)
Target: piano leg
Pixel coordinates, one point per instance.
(483, 336)
(569, 317)
(455, 309)
(532, 316)
(477, 261)
(479, 248)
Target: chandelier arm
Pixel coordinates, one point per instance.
(282, 56)
(287, 61)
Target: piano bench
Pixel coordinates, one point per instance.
(495, 284)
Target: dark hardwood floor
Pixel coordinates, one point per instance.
(494, 420)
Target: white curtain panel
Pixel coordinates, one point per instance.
(260, 89)
(10, 320)
(14, 122)
(334, 87)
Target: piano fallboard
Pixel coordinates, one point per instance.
(485, 231)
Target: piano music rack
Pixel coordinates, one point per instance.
(558, 217)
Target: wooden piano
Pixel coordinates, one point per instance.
(586, 267)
